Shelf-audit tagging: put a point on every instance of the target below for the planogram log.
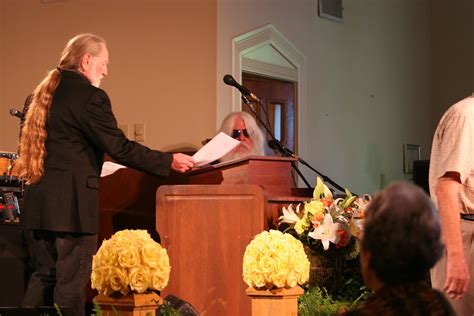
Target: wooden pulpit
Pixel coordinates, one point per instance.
(205, 218)
(206, 228)
(274, 173)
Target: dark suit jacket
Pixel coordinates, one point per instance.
(81, 128)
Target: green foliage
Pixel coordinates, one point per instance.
(98, 312)
(167, 310)
(96, 309)
(317, 302)
(353, 289)
(58, 310)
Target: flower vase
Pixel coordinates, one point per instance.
(274, 302)
(132, 304)
(325, 269)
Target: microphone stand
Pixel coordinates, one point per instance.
(288, 153)
(282, 149)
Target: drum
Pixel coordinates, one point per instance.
(7, 166)
(11, 188)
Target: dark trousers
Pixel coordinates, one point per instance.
(63, 263)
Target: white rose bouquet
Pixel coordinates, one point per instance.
(275, 260)
(130, 261)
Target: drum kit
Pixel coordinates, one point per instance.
(11, 188)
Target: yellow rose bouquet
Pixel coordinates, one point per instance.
(130, 261)
(275, 260)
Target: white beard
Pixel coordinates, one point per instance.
(237, 154)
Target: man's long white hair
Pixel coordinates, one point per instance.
(255, 135)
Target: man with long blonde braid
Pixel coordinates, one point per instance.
(68, 128)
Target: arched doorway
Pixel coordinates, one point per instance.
(277, 106)
(265, 57)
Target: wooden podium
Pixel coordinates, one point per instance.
(205, 218)
(205, 229)
(207, 224)
(274, 173)
(128, 197)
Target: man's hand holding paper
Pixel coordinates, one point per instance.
(220, 145)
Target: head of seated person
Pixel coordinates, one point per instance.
(401, 241)
(243, 127)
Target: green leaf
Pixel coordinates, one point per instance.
(348, 193)
(348, 201)
(318, 189)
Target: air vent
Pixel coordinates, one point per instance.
(330, 9)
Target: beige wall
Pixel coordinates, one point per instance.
(162, 61)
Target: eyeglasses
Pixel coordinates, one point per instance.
(237, 132)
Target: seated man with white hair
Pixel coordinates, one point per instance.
(243, 127)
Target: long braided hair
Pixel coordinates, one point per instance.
(32, 150)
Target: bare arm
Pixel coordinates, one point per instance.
(457, 273)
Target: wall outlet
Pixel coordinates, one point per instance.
(139, 132)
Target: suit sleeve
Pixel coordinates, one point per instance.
(101, 128)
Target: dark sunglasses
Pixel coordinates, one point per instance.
(237, 132)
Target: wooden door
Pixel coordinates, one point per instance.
(278, 105)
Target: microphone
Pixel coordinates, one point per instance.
(229, 80)
(15, 112)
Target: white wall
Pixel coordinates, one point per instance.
(368, 81)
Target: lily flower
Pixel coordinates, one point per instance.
(326, 232)
(321, 190)
(289, 215)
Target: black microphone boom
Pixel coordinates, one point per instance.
(229, 80)
(15, 112)
(275, 143)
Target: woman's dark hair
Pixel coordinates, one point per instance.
(403, 234)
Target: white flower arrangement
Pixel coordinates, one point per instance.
(325, 223)
(130, 261)
(275, 260)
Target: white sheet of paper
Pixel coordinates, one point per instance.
(220, 145)
(110, 167)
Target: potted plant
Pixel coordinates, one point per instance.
(329, 229)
